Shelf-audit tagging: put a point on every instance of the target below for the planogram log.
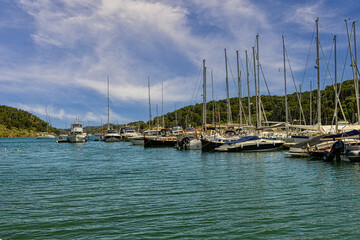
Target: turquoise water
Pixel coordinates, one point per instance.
(103, 190)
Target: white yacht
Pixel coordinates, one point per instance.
(128, 132)
(112, 136)
(77, 134)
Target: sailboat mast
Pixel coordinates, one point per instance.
(162, 104)
(256, 100)
(286, 103)
(336, 97)
(318, 74)
(239, 86)
(248, 86)
(108, 93)
(354, 75)
(311, 121)
(149, 103)
(204, 94)
(258, 76)
(213, 100)
(227, 91)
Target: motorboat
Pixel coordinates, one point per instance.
(128, 132)
(250, 143)
(112, 136)
(77, 134)
(139, 139)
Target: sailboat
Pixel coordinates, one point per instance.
(46, 135)
(111, 135)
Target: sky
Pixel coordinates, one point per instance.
(56, 55)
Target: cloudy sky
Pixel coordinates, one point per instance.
(57, 54)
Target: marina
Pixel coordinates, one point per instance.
(224, 120)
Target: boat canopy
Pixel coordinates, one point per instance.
(244, 139)
(344, 134)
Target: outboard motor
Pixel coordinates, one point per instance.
(336, 150)
(182, 145)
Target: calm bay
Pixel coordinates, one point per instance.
(100, 190)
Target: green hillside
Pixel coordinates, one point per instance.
(19, 123)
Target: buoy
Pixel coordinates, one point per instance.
(5, 149)
(17, 149)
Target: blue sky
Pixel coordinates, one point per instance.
(56, 55)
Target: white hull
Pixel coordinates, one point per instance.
(111, 139)
(136, 140)
(45, 137)
(76, 138)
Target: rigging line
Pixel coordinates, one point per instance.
(193, 96)
(236, 88)
(333, 84)
(325, 75)
(343, 72)
(297, 93)
(267, 87)
(308, 57)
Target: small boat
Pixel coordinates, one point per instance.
(112, 136)
(139, 139)
(77, 134)
(128, 132)
(250, 143)
(62, 139)
(45, 135)
(189, 143)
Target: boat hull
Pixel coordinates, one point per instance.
(76, 138)
(159, 143)
(136, 140)
(253, 146)
(209, 146)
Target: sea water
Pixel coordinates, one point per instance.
(100, 190)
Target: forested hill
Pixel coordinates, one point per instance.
(19, 123)
(274, 108)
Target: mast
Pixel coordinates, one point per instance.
(318, 74)
(286, 103)
(336, 98)
(176, 120)
(258, 76)
(311, 122)
(108, 92)
(354, 75)
(162, 104)
(47, 121)
(300, 102)
(149, 103)
(213, 100)
(239, 86)
(248, 86)
(204, 94)
(227, 91)
(256, 100)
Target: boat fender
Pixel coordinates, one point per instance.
(257, 144)
(242, 146)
